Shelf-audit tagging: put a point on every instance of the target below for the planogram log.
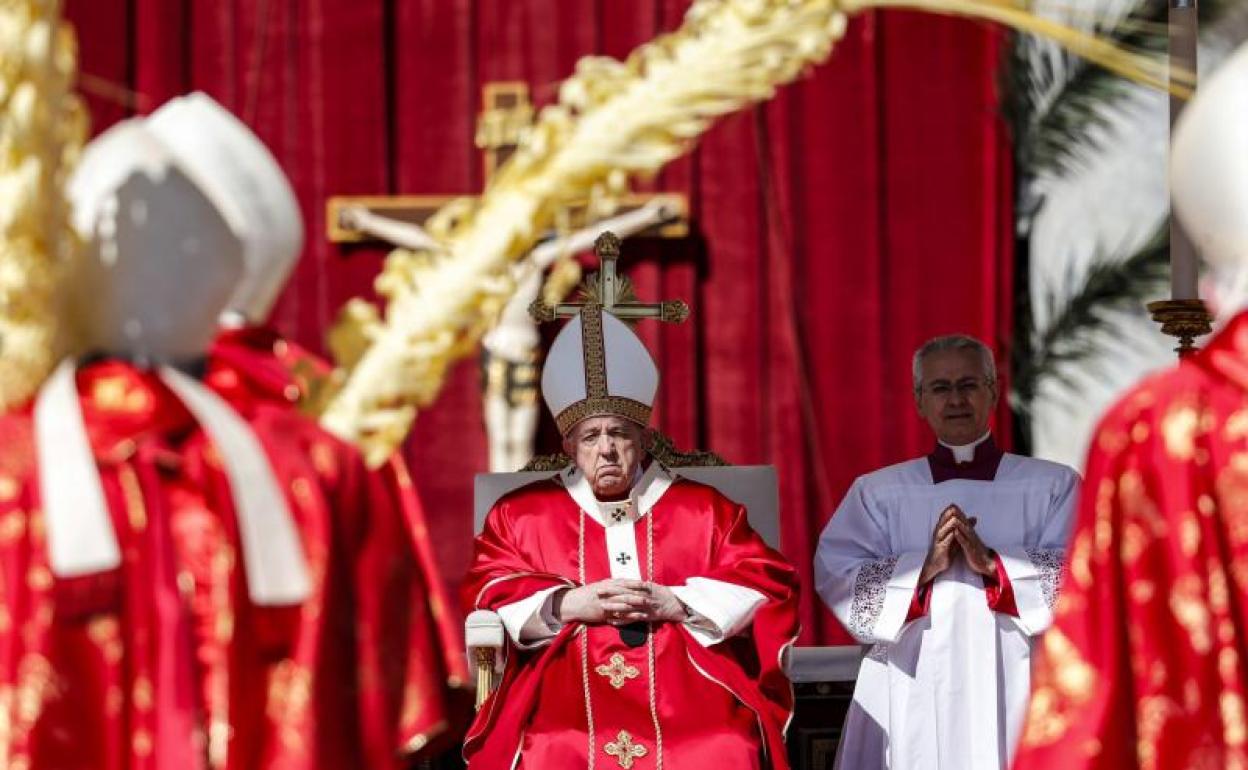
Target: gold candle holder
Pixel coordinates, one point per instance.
(1185, 319)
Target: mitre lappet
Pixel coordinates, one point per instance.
(166, 244)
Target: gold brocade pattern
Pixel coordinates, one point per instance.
(608, 405)
(1232, 492)
(594, 349)
(1231, 709)
(1080, 558)
(8, 488)
(12, 527)
(301, 489)
(619, 672)
(1151, 715)
(1187, 604)
(105, 633)
(324, 460)
(1236, 427)
(1064, 682)
(1134, 498)
(1189, 533)
(290, 695)
(1178, 431)
(132, 493)
(22, 703)
(624, 750)
(119, 394)
(141, 693)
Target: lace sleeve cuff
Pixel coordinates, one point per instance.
(883, 591)
(1034, 575)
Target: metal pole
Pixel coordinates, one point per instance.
(1184, 315)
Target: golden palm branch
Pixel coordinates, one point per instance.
(613, 120)
(42, 128)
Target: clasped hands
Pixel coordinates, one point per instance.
(953, 536)
(619, 601)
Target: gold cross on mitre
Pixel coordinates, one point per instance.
(612, 292)
(505, 118)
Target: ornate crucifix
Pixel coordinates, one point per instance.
(506, 114)
(613, 292)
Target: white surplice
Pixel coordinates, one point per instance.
(948, 690)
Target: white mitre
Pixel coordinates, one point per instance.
(1209, 165)
(597, 367)
(161, 260)
(234, 166)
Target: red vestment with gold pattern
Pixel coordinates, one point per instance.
(165, 663)
(669, 702)
(1145, 665)
(258, 372)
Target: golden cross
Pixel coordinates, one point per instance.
(619, 671)
(624, 750)
(506, 114)
(613, 292)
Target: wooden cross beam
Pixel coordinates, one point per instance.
(506, 114)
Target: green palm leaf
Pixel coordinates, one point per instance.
(1083, 310)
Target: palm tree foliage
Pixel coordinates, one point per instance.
(1061, 112)
(1081, 314)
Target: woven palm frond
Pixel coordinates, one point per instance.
(42, 129)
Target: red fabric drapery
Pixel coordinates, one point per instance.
(863, 210)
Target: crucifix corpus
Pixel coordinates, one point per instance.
(507, 113)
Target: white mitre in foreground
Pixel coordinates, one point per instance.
(236, 169)
(1209, 166)
(596, 367)
(162, 259)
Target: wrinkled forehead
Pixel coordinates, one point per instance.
(598, 425)
(951, 365)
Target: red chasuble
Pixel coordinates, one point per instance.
(416, 645)
(1146, 665)
(163, 662)
(723, 706)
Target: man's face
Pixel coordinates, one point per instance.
(955, 396)
(607, 450)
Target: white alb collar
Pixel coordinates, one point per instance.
(966, 452)
(641, 498)
(80, 535)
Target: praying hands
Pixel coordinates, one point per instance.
(954, 535)
(619, 601)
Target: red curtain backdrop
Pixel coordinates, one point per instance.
(863, 210)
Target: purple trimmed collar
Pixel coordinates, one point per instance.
(983, 467)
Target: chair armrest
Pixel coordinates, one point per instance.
(823, 664)
(485, 638)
